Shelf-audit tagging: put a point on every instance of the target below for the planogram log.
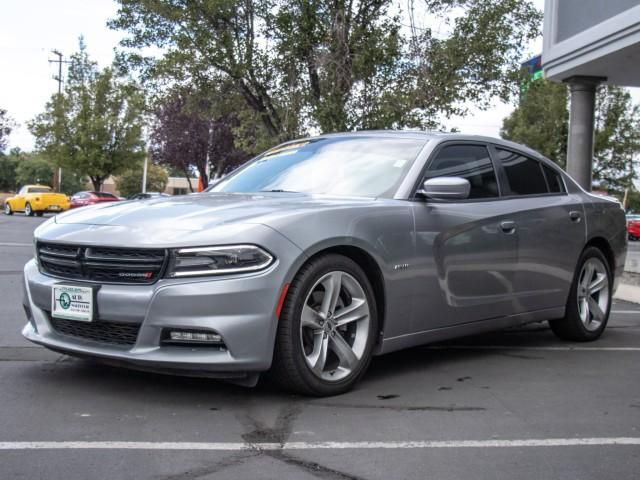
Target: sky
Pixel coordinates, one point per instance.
(30, 29)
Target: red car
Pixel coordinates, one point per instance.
(633, 229)
(82, 199)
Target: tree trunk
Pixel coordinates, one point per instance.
(186, 175)
(97, 183)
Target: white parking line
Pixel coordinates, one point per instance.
(540, 348)
(13, 244)
(637, 312)
(236, 446)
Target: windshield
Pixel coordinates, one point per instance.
(350, 166)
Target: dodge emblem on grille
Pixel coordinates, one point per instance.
(135, 274)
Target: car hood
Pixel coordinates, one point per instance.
(203, 211)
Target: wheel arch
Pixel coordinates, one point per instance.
(604, 246)
(371, 269)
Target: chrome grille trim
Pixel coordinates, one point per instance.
(117, 265)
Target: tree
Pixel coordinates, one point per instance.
(334, 65)
(616, 140)
(130, 182)
(94, 128)
(186, 135)
(72, 182)
(34, 169)
(8, 165)
(541, 121)
(6, 125)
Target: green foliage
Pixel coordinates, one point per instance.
(616, 141)
(72, 182)
(330, 66)
(633, 202)
(94, 127)
(6, 125)
(130, 181)
(33, 169)
(8, 165)
(541, 121)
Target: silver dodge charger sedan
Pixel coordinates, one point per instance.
(322, 252)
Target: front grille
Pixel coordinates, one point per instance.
(102, 264)
(112, 333)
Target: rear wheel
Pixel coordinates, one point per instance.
(327, 328)
(39, 214)
(587, 310)
(7, 209)
(28, 211)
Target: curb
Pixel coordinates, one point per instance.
(628, 293)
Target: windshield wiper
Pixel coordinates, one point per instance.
(277, 190)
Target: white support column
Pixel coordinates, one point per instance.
(581, 127)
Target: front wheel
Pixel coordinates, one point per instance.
(589, 303)
(28, 211)
(327, 328)
(633, 238)
(7, 209)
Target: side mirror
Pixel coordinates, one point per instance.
(446, 188)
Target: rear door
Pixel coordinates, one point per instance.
(466, 250)
(550, 228)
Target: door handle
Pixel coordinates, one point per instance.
(508, 227)
(575, 216)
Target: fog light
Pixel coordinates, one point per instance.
(190, 336)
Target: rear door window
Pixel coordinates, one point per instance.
(524, 174)
(467, 161)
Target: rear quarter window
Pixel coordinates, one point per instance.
(554, 180)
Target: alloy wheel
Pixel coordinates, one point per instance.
(593, 294)
(7, 209)
(334, 326)
(28, 210)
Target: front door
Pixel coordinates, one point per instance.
(467, 250)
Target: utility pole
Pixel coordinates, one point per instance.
(57, 173)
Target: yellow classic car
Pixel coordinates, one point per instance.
(36, 200)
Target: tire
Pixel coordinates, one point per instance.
(7, 209)
(312, 357)
(633, 238)
(28, 211)
(39, 214)
(589, 303)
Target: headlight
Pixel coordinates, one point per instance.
(191, 262)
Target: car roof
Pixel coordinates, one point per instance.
(432, 135)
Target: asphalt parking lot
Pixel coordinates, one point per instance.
(512, 404)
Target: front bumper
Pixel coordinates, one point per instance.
(241, 309)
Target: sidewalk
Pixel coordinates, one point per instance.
(629, 288)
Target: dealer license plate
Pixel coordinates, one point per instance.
(72, 303)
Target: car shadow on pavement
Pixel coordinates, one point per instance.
(79, 376)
